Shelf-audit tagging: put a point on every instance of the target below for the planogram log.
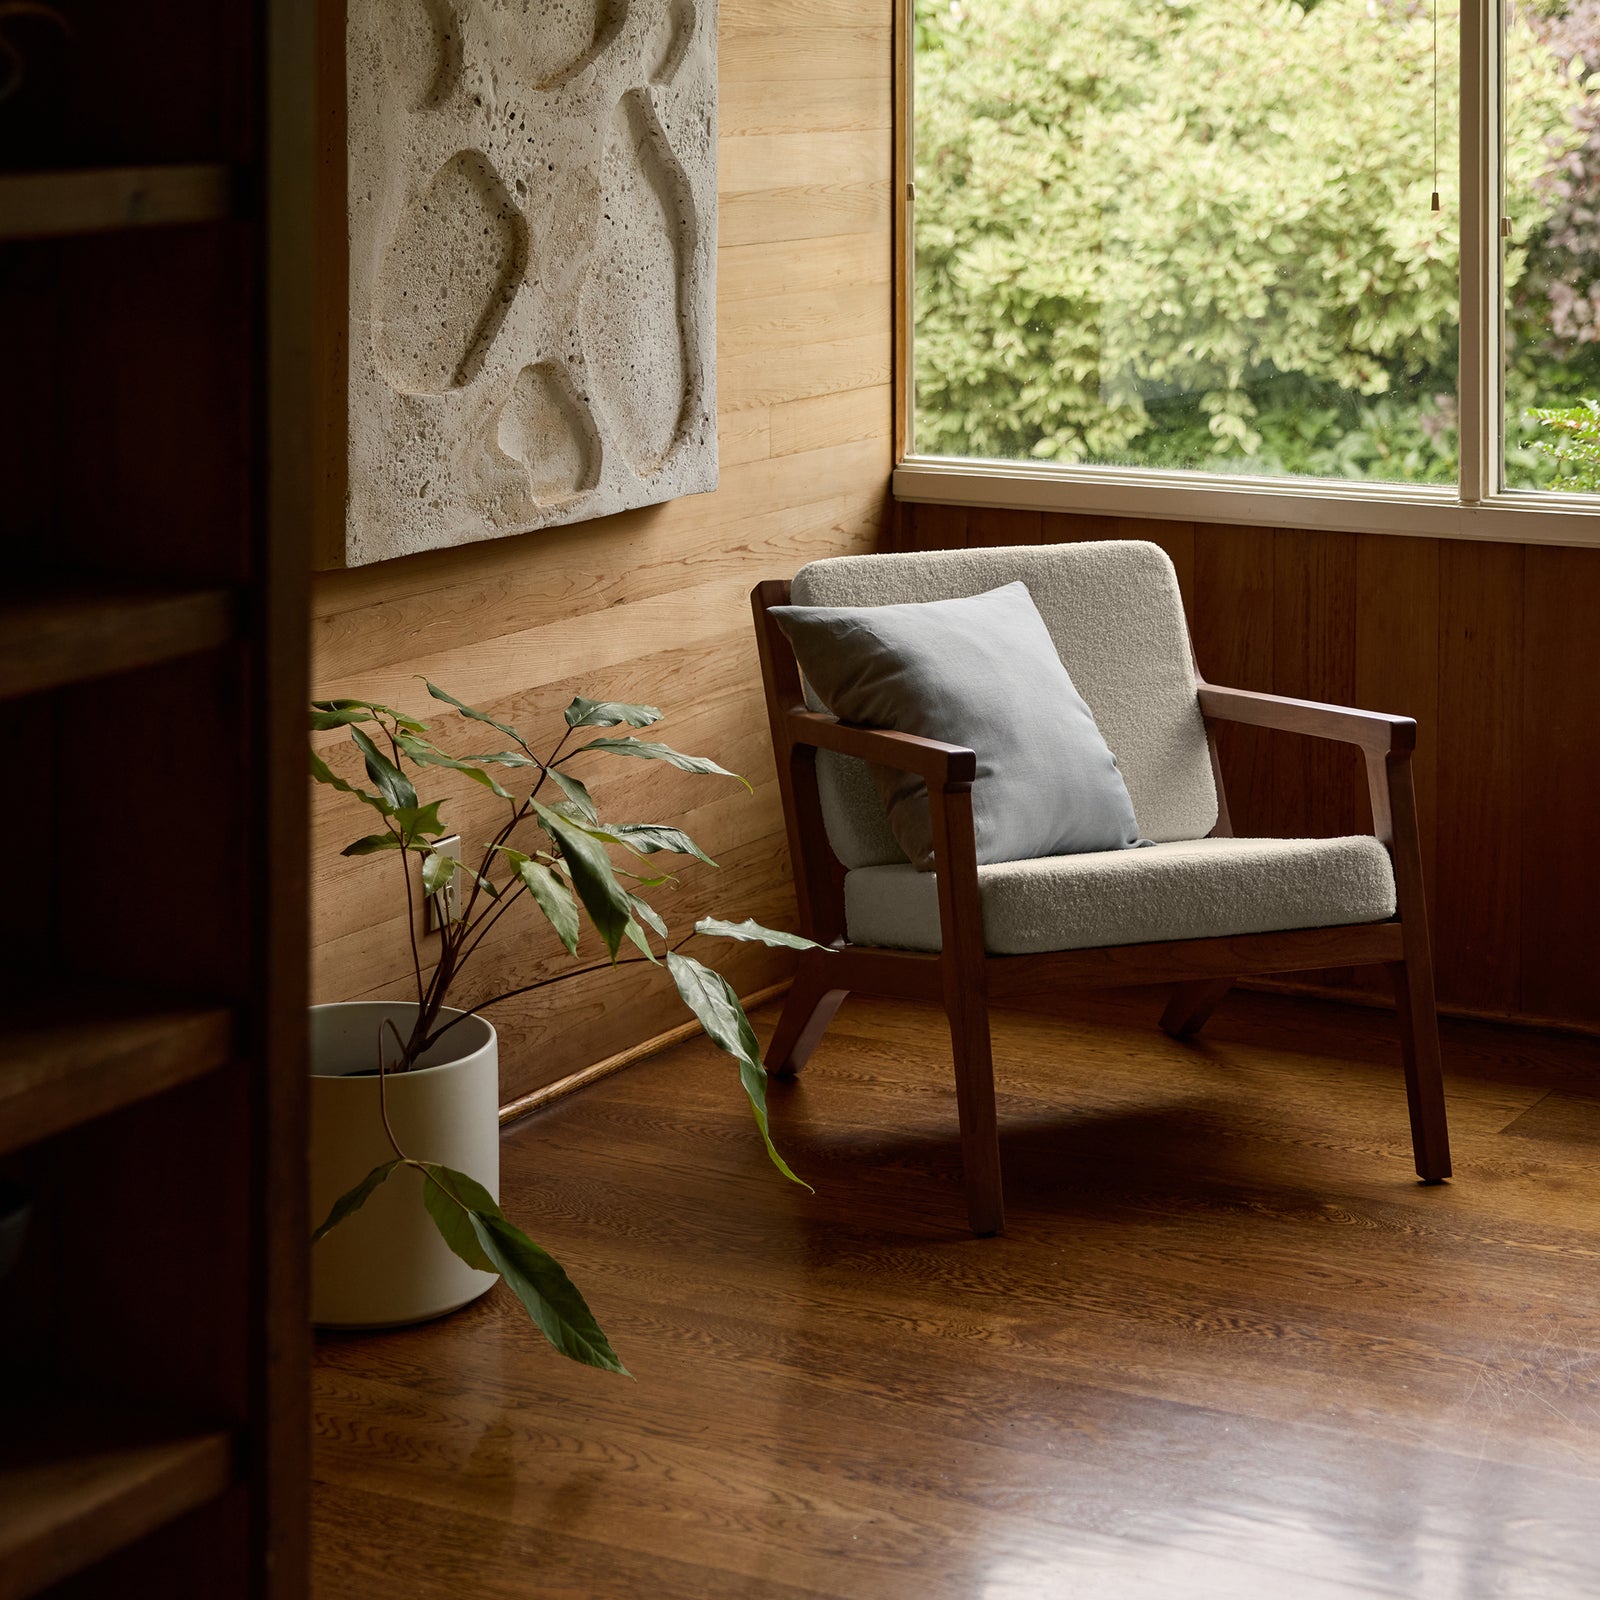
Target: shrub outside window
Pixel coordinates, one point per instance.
(1200, 235)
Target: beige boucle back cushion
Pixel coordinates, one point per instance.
(1115, 617)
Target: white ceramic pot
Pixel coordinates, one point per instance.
(386, 1265)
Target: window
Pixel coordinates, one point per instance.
(1200, 237)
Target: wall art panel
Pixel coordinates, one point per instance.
(532, 215)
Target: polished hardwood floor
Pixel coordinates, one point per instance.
(1227, 1348)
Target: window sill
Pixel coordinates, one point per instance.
(1275, 503)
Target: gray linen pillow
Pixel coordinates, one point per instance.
(980, 671)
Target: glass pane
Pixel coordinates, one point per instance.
(1551, 254)
(1193, 234)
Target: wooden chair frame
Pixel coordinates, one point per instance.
(963, 977)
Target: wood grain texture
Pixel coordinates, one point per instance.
(1315, 786)
(1397, 668)
(1561, 784)
(652, 605)
(1228, 1349)
(1482, 756)
(59, 636)
(1491, 647)
(1231, 624)
(37, 205)
(69, 1057)
(75, 1486)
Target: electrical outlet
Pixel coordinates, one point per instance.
(445, 906)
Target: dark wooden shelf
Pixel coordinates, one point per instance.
(76, 1486)
(54, 205)
(54, 635)
(71, 1057)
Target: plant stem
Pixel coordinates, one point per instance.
(510, 897)
(383, 1086)
(411, 923)
(458, 946)
(545, 983)
(405, 868)
(545, 766)
(489, 851)
(528, 988)
(388, 1128)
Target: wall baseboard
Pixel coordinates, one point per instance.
(538, 1099)
(1382, 1002)
(527, 1104)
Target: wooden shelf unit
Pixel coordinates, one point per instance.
(54, 205)
(75, 1488)
(54, 635)
(157, 290)
(66, 1059)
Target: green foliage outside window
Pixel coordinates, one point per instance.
(1198, 234)
(1572, 443)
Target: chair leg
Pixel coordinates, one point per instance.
(1191, 1005)
(1419, 1048)
(980, 1135)
(807, 1010)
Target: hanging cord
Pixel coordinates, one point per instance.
(1435, 205)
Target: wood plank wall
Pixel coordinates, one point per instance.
(1494, 648)
(652, 605)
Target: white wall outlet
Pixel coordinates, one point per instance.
(445, 906)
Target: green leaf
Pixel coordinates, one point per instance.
(603, 897)
(323, 773)
(478, 716)
(636, 937)
(392, 783)
(646, 751)
(321, 720)
(482, 882)
(483, 779)
(753, 932)
(373, 843)
(609, 835)
(449, 1196)
(753, 1075)
(648, 915)
(437, 871)
(352, 1200)
(550, 1296)
(552, 896)
(577, 794)
(506, 758)
(427, 755)
(608, 713)
(648, 837)
(399, 718)
(419, 821)
(711, 998)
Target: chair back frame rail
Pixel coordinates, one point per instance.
(963, 977)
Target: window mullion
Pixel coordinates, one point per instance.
(905, 266)
(1480, 384)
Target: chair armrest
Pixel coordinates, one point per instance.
(1377, 732)
(932, 761)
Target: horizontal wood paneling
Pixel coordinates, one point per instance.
(1495, 650)
(651, 605)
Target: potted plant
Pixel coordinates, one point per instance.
(405, 1093)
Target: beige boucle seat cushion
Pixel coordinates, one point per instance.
(1189, 889)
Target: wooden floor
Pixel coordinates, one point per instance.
(1228, 1347)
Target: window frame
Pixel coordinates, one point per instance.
(1479, 508)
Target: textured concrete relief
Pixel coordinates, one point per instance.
(532, 256)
